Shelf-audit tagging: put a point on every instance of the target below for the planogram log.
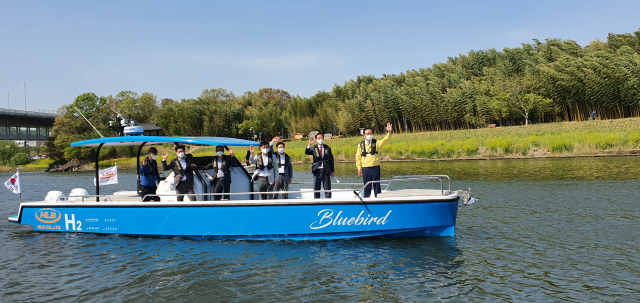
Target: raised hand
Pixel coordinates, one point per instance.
(275, 139)
(164, 156)
(144, 162)
(251, 149)
(311, 139)
(389, 128)
(231, 151)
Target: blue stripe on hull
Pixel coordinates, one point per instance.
(297, 222)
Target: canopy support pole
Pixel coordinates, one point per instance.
(98, 172)
(138, 166)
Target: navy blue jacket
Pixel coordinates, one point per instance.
(149, 174)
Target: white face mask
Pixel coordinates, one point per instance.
(320, 141)
(369, 137)
(220, 153)
(181, 155)
(281, 150)
(265, 151)
(154, 157)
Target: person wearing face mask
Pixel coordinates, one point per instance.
(368, 160)
(182, 171)
(221, 166)
(266, 167)
(285, 171)
(322, 167)
(149, 176)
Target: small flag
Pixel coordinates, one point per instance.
(13, 184)
(107, 176)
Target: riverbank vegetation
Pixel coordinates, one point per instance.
(549, 81)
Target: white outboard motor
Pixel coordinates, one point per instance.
(77, 194)
(53, 196)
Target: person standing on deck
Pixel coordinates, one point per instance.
(322, 167)
(266, 167)
(368, 160)
(285, 171)
(149, 176)
(182, 171)
(221, 166)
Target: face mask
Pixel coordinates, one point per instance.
(369, 137)
(265, 151)
(220, 153)
(181, 155)
(320, 141)
(281, 150)
(154, 157)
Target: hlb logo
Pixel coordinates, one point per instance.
(48, 215)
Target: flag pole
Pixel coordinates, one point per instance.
(20, 185)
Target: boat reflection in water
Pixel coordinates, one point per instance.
(394, 213)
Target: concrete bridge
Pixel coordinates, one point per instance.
(26, 125)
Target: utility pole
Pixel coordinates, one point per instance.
(25, 95)
(8, 98)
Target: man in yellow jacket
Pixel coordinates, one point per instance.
(368, 160)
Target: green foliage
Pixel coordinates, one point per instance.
(543, 81)
(7, 150)
(19, 159)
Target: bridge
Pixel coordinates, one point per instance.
(26, 125)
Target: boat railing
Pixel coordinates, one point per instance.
(356, 192)
(69, 198)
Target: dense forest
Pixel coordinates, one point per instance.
(555, 80)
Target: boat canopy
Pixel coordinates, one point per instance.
(149, 140)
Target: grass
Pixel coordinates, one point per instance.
(621, 136)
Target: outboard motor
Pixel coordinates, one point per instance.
(54, 196)
(77, 194)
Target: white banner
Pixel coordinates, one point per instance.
(108, 176)
(13, 184)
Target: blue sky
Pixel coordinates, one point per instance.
(175, 49)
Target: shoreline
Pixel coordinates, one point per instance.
(634, 153)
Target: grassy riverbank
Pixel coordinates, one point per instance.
(606, 137)
(620, 136)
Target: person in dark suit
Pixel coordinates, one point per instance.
(149, 176)
(322, 167)
(221, 166)
(183, 173)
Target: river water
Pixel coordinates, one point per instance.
(543, 230)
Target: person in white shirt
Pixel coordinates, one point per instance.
(183, 173)
(266, 167)
(285, 170)
(322, 167)
(221, 166)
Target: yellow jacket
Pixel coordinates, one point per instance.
(371, 160)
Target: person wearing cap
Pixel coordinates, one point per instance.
(368, 160)
(221, 166)
(149, 176)
(322, 167)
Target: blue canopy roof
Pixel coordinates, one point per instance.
(137, 140)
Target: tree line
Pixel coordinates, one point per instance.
(554, 80)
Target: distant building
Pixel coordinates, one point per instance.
(30, 143)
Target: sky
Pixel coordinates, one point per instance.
(175, 49)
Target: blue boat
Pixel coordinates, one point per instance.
(394, 213)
